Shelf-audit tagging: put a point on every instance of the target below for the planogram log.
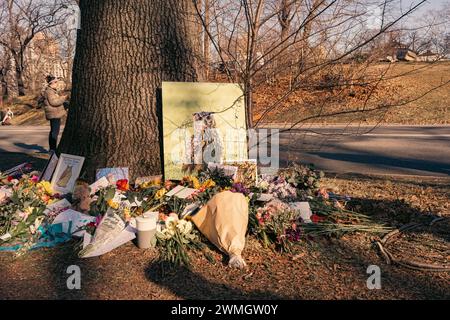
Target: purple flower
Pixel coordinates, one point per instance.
(240, 188)
(293, 235)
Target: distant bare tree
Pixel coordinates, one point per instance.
(323, 56)
(21, 21)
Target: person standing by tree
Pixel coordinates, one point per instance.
(54, 109)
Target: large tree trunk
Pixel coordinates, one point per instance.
(125, 49)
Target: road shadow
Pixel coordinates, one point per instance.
(31, 147)
(11, 159)
(384, 161)
(187, 284)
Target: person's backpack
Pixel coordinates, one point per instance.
(41, 102)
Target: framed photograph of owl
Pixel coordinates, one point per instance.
(203, 123)
(66, 173)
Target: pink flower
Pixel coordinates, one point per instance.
(323, 193)
(98, 219)
(35, 179)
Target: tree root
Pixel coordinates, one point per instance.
(390, 259)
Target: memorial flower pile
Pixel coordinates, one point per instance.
(274, 214)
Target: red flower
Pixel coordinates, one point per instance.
(91, 225)
(10, 178)
(316, 219)
(168, 184)
(122, 185)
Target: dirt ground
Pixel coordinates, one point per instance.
(320, 269)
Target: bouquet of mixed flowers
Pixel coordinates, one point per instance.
(23, 214)
(304, 178)
(276, 224)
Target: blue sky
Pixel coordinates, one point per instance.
(375, 12)
(430, 5)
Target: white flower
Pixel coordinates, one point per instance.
(171, 220)
(185, 227)
(264, 184)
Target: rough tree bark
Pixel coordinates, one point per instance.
(125, 49)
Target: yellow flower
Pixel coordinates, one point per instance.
(208, 184)
(29, 210)
(52, 201)
(46, 186)
(192, 180)
(195, 182)
(160, 193)
(113, 204)
(127, 214)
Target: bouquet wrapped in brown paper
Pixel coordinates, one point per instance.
(223, 220)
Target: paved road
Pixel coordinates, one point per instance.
(403, 150)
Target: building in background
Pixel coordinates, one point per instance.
(44, 57)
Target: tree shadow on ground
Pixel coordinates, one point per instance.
(11, 159)
(32, 147)
(420, 181)
(187, 284)
(395, 213)
(61, 258)
(403, 283)
(363, 253)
